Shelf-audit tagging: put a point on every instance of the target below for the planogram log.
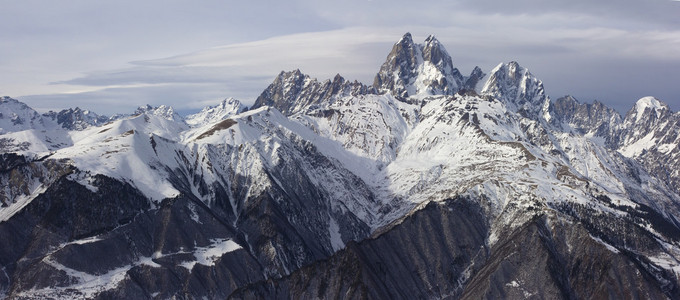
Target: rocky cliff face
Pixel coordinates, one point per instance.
(415, 187)
(292, 92)
(594, 119)
(77, 119)
(651, 134)
(521, 90)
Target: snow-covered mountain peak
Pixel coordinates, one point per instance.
(519, 88)
(649, 123)
(651, 103)
(406, 38)
(226, 108)
(77, 118)
(17, 116)
(421, 70)
(7, 100)
(163, 111)
(469, 179)
(434, 52)
(283, 91)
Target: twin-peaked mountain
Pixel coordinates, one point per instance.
(418, 186)
(414, 69)
(410, 70)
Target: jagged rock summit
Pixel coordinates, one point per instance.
(410, 71)
(413, 69)
(515, 85)
(294, 91)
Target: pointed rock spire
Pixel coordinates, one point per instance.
(434, 52)
(474, 78)
(399, 68)
(283, 91)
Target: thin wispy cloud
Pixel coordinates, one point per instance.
(612, 51)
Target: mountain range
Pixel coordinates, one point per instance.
(425, 184)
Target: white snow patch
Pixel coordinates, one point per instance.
(207, 256)
(83, 180)
(88, 240)
(667, 262)
(336, 237)
(635, 149)
(88, 285)
(667, 148)
(20, 202)
(193, 214)
(647, 102)
(609, 247)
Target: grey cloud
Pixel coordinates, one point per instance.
(183, 97)
(638, 12)
(173, 75)
(626, 13)
(613, 51)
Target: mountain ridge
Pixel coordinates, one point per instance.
(315, 167)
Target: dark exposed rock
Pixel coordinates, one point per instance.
(474, 78)
(293, 92)
(70, 230)
(77, 119)
(440, 252)
(425, 256)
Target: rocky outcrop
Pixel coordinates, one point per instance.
(76, 118)
(293, 92)
(413, 69)
(521, 90)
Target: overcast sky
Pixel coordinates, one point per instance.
(113, 56)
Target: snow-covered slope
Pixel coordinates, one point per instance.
(211, 114)
(650, 134)
(17, 116)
